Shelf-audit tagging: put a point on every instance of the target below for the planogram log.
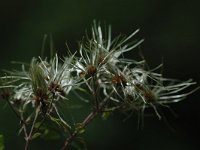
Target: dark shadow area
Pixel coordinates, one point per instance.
(171, 32)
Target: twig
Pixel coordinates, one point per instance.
(95, 93)
(32, 127)
(86, 121)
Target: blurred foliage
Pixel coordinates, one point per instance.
(1, 142)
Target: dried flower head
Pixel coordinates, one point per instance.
(112, 81)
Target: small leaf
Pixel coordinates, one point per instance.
(60, 122)
(1, 142)
(82, 90)
(79, 144)
(50, 135)
(79, 129)
(105, 115)
(37, 125)
(36, 135)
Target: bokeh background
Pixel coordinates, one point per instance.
(171, 30)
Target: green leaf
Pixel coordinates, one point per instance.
(50, 135)
(79, 144)
(36, 135)
(45, 132)
(79, 129)
(1, 142)
(60, 122)
(37, 124)
(83, 90)
(105, 115)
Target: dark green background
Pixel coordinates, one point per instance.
(171, 30)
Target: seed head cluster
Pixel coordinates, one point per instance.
(100, 68)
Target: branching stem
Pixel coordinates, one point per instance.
(32, 127)
(86, 121)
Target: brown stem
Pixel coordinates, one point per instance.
(86, 121)
(32, 128)
(45, 115)
(95, 93)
